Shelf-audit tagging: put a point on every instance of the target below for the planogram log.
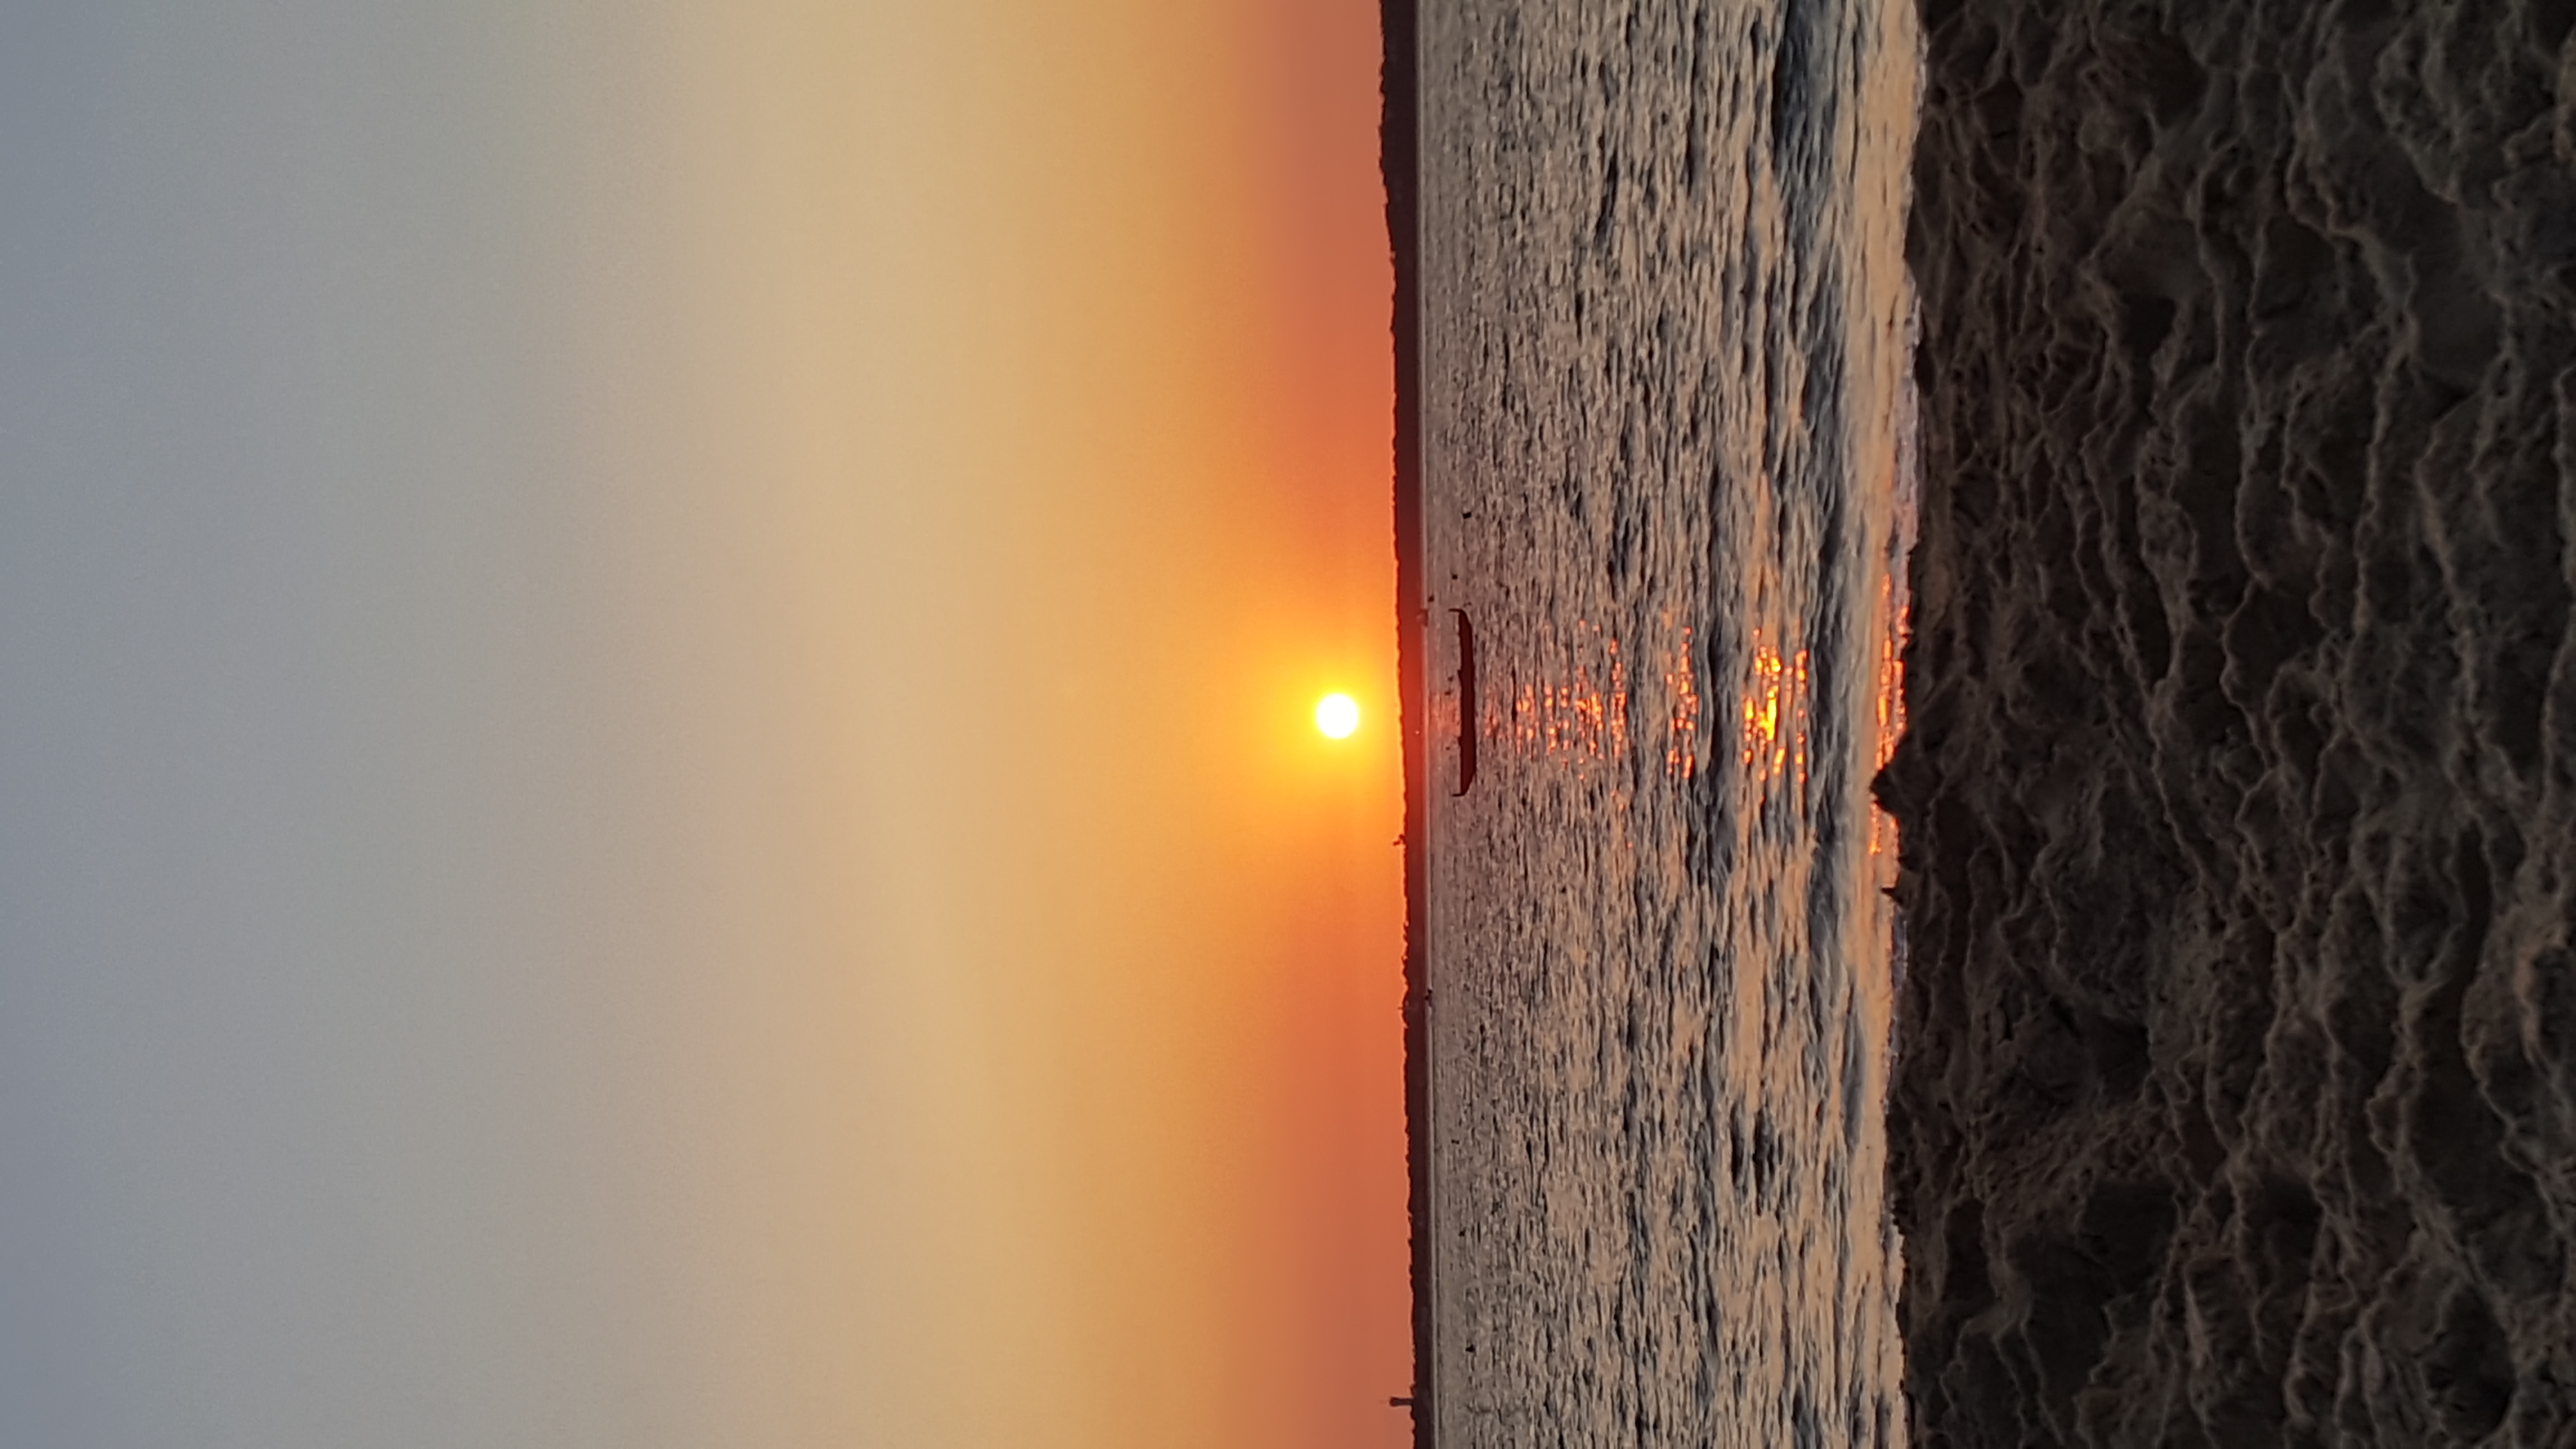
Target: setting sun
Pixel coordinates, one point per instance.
(1337, 715)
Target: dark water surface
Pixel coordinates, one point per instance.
(1659, 396)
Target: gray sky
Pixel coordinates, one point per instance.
(296, 1120)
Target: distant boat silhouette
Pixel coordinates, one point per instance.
(1466, 704)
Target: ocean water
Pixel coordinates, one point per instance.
(1663, 490)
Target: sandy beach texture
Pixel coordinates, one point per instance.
(2237, 1102)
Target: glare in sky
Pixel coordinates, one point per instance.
(1337, 715)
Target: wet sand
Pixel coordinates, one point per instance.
(2237, 1097)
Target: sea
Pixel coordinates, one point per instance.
(1663, 407)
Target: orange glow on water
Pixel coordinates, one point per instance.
(1775, 707)
(1583, 718)
(1893, 613)
(1681, 686)
(1584, 712)
(1581, 713)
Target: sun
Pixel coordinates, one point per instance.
(1337, 715)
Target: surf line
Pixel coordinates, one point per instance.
(1466, 704)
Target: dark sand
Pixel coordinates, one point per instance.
(2238, 1093)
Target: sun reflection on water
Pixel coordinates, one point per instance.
(1581, 708)
(1775, 714)
(1582, 719)
(1892, 613)
(1681, 730)
(1584, 711)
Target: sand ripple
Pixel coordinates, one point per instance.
(2238, 1100)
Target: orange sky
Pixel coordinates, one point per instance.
(659, 786)
(1030, 366)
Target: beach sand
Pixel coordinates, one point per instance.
(2237, 1097)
